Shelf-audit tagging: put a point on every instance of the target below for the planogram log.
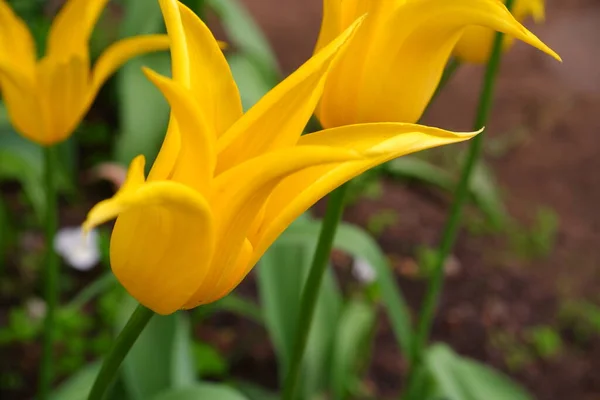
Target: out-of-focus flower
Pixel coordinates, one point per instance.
(80, 250)
(476, 42)
(394, 64)
(47, 98)
(225, 184)
(363, 271)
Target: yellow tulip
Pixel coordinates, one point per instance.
(476, 42)
(226, 184)
(47, 98)
(392, 68)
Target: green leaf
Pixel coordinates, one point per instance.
(141, 17)
(460, 378)
(252, 83)
(255, 392)
(208, 391)
(246, 34)
(23, 161)
(160, 358)
(358, 243)
(143, 111)
(356, 324)
(78, 386)
(281, 274)
(483, 187)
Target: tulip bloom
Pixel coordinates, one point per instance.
(476, 42)
(393, 66)
(47, 98)
(225, 184)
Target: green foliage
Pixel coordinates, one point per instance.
(538, 240)
(460, 378)
(483, 187)
(161, 357)
(143, 111)
(545, 340)
(22, 160)
(209, 362)
(381, 220)
(516, 354)
(351, 346)
(582, 317)
(201, 391)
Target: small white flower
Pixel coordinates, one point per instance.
(79, 250)
(363, 271)
(36, 308)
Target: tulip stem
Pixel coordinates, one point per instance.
(51, 272)
(310, 292)
(135, 325)
(452, 225)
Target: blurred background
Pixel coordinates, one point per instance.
(521, 292)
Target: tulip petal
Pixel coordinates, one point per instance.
(21, 102)
(16, 42)
(163, 240)
(120, 52)
(240, 192)
(196, 159)
(62, 88)
(224, 282)
(379, 142)
(410, 44)
(278, 119)
(194, 48)
(72, 28)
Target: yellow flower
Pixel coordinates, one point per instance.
(226, 184)
(47, 98)
(392, 67)
(476, 42)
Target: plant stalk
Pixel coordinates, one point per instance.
(51, 288)
(452, 225)
(135, 325)
(310, 292)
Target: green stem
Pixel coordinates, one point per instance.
(310, 293)
(452, 226)
(51, 273)
(136, 324)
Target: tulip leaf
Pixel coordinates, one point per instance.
(209, 391)
(78, 386)
(160, 358)
(251, 82)
(460, 378)
(281, 273)
(23, 161)
(358, 243)
(142, 17)
(483, 188)
(353, 332)
(246, 35)
(143, 111)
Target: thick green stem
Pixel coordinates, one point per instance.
(51, 272)
(452, 226)
(136, 324)
(310, 293)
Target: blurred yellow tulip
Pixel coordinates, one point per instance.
(393, 66)
(47, 98)
(476, 42)
(226, 184)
